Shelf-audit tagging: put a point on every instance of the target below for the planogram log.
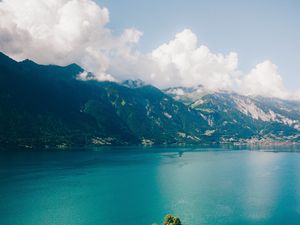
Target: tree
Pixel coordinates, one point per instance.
(171, 220)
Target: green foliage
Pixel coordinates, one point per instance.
(171, 220)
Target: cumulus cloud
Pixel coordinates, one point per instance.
(75, 31)
(183, 62)
(189, 64)
(180, 62)
(61, 32)
(265, 80)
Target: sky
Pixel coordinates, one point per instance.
(256, 29)
(251, 47)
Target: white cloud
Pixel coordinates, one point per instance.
(192, 64)
(180, 62)
(61, 32)
(265, 80)
(75, 31)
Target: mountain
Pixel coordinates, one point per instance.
(237, 118)
(47, 106)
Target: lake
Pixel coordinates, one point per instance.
(138, 186)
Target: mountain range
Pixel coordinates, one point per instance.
(48, 106)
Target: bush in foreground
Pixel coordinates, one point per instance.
(171, 220)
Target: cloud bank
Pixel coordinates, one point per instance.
(75, 31)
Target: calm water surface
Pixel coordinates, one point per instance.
(136, 186)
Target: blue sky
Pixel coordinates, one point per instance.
(256, 30)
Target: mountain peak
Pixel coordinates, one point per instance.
(74, 66)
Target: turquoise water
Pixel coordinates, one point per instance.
(136, 186)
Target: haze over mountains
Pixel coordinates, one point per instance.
(50, 106)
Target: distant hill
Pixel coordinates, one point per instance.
(243, 119)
